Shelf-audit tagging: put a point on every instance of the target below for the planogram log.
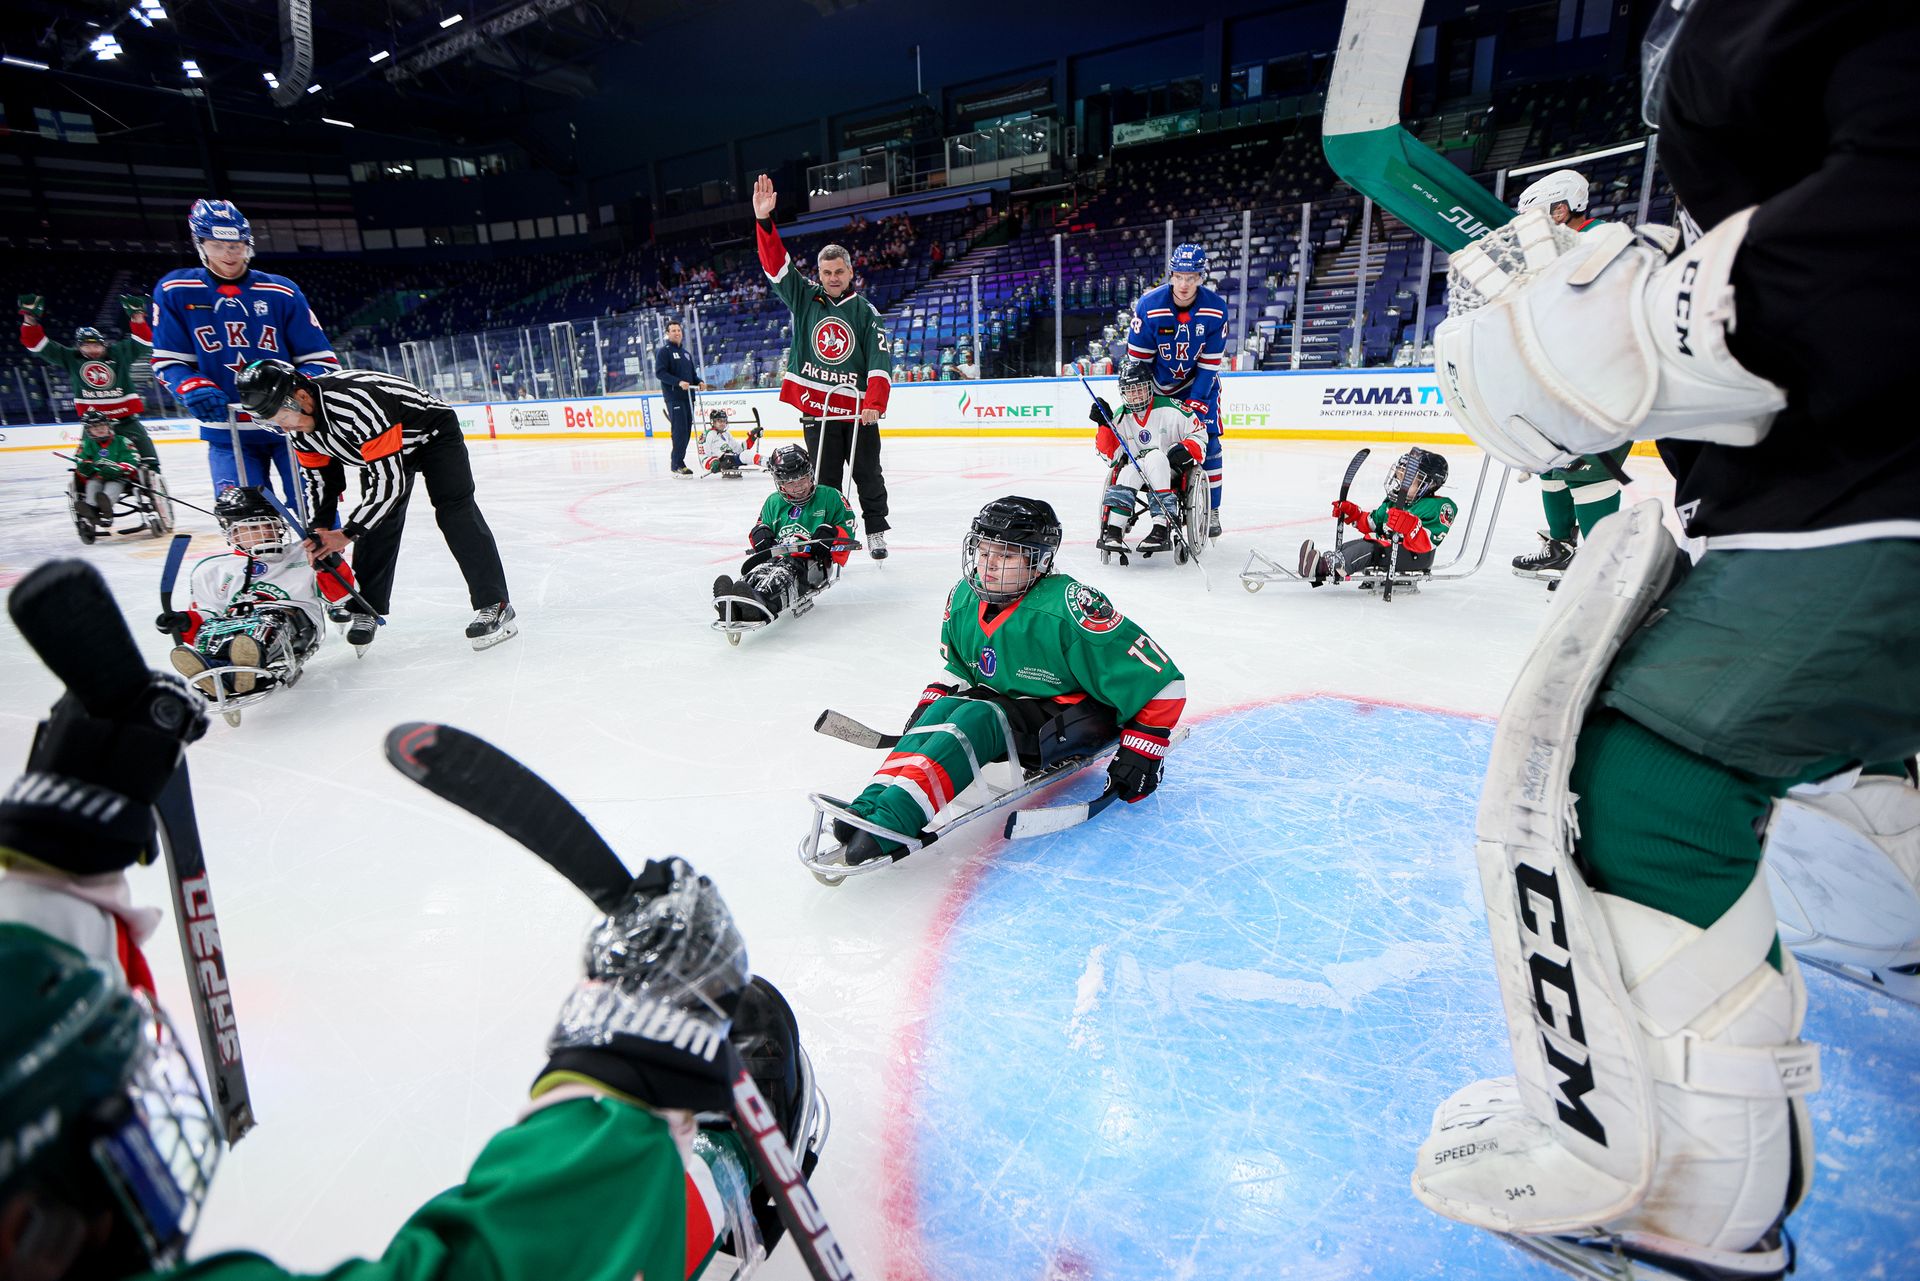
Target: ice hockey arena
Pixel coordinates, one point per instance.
(668, 375)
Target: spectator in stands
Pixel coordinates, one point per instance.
(679, 379)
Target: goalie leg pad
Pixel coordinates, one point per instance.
(1844, 872)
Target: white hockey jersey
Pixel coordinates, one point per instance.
(1164, 425)
(220, 583)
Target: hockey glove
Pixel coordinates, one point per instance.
(134, 304)
(760, 537)
(85, 803)
(204, 400)
(1183, 457)
(1135, 770)
(1100, 412)
(31, 305)
(928, 696)
(173, 620)
(1401, 522)
(1350, 513)
(664, 974)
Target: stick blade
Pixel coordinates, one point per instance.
(1046, 820)
(478, 777)
(66, 613)
(848, 730)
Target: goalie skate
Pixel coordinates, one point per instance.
(1622, 1258)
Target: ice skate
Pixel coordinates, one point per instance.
(877, 545)
(360, 630)
(1213, 523)
(492, 625)
(1550, 562)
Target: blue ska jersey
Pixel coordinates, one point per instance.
(1185, 344)
(205, 327)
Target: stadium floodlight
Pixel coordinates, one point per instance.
(273, 81)
(192, 69)
(313, 88)
(448, 22)
(140, 17)
(329, 120)
(28, 63)
(106, 48)
(382, 56)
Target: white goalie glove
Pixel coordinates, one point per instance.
(1558, 344)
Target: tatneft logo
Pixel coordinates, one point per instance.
(1245, 417)
(971, 408)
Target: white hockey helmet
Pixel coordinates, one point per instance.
(1561, 184)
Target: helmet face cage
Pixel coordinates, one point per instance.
(1136, 385)
(999, 571)
(160, 1144)
(259, 535)
(97, 425)
(1410, 481)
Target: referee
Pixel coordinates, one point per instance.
(392, 431)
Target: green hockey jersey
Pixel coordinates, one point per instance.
(1063, 639)
(790, 520)
(838, 362)
(106, 385)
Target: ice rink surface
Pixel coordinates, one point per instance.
(1200, 1037)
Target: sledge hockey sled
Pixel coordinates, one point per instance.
(745, 613)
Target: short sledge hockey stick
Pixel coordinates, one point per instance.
(848, 730)
(328, 565)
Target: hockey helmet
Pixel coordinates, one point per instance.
(1010, 547)
(266, 387)
(218, 220)
(113, 1119)
(792, 470)
(87, 334)
(93, 421)
(250, 522)
(1562, 185)
(718, 418)
(1136, 385)
(1189, 258)
(1416, 474)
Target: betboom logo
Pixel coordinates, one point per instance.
(971, 408)
(604, 418)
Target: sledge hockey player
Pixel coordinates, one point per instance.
(211, 321)
(1579, 496)
(104, 466)
(803, 525)
(1658, 1105)
(1180, 328)
(720, 453)
(260, 605)
(101, 372)
(1414, 511)
(1167, 444)
(1036, 655)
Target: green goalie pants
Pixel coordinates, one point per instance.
(934, 763)
(1583, 494)
(1757, 671)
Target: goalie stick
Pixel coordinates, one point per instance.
(484, 781)
(1177, 527)
(66, 614)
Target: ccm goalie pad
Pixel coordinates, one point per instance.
(1653, 1109)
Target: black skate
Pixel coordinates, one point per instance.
(492, 625)
(1549, 563)
(360, 630)
(1158, 539)
(877, 545)
(1213, 523)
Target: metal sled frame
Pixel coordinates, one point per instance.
(284, 667)
(829, 865)
(798, 602)
(1192, 505)
(700, 450)
(1262, 569)
(154, 509)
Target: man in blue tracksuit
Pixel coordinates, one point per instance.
(679, 379)
(1180, 328)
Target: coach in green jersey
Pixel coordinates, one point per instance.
(101, 372)
(1038, 655)
(839, 372)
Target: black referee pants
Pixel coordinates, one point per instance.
(443, 464)
(832, 456)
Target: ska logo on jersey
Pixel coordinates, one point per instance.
(1093, 611)
(989, 661)
(833, 340)
(96, 374)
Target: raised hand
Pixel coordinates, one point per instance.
(764, 197)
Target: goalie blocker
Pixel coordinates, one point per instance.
(1656, 1102)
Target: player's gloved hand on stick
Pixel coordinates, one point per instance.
(204, 400)
(928, 697)
(664, 974)
(31, 305)
(1135, 770)
(1401, 521)
(1100, 411)
(1198, 408)
(1182, 457)
(1349, 512)
(173, 620)
(760, 537)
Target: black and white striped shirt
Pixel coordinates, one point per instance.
(371, 421)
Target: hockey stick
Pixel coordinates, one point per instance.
(1346, 484)
(1043, 820)
(848, 730)
(66, 614)
(1178, 529)
(176, 553)
(146, 488)
(328, 564)
(1393, 567)
(490, 785)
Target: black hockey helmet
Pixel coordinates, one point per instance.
(718, 416)
(1136, 384)
(91, 420)
(1415, 475)
(265, 387)
(249, 521)
(1022, 525)
(792, 470)
(86, 334)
